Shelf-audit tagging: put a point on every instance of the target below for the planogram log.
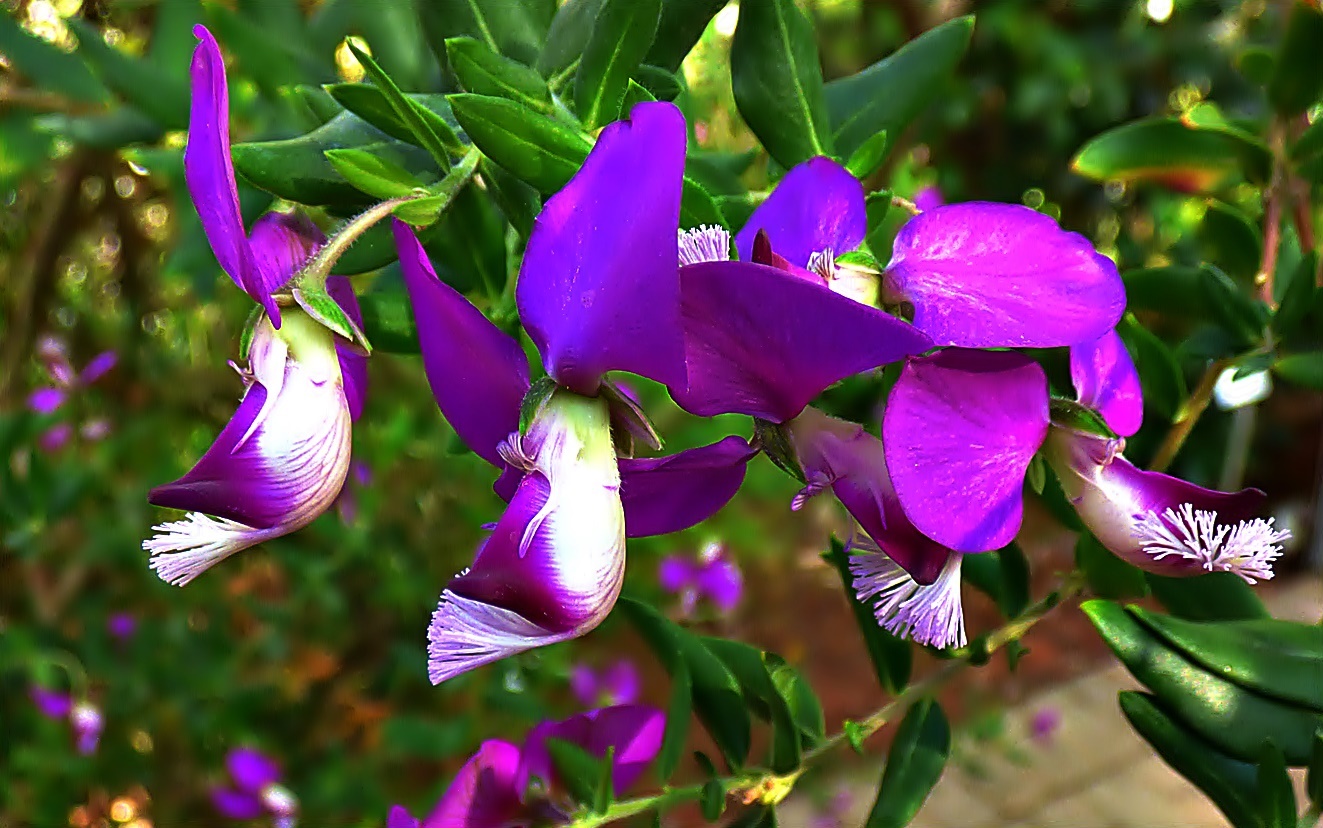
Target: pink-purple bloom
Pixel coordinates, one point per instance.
(713, 576)
(615, 684)
(511, 786)
(85, 719)
(598, 291)
(253, 789)
(66, 384)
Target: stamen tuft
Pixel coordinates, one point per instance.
(465, 634)
(929, 614)
(705, 243)
(184, 549)
(1248, 549)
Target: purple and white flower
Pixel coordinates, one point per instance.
(713, 576)
(254, 790)
(617, 683)
(66, 383)
(85, 719)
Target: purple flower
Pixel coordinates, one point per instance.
(87, 723)
(515, 787)
(346, 505)
(929, 198)
(50, 703)
(121, 625)
(253, 789)
(613, 685)
(1044, 723)
(598, 291)
(713, 576)
(1107, 382)
(67, 384)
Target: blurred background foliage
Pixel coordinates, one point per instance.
(312, 648)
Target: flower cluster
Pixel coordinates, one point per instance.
(85, 719)
(66, 383)
(253, 790)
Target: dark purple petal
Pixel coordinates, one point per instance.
(46, 400)
(633, 731)
(985, 275)
(844, 456)
(762, 342)
(251, 770)
(210, 173)
(667, 494)
(237, 804)
(676, 573)
(818, 206)
(49, 703)
(1106, 381)
(353, 365)
(97, 368)
(598, 289)
(281, 243)
(929, 198)
(621, 682)
(722, 582)
(959, 431)
(399, 817)
(478, 373)
(483, 793)
(55, 437)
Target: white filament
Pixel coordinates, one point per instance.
(1248, 549)
(705, 243)
(930, 614)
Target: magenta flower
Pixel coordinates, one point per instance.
(614, 685)
(598, 291)
(929, 198)
(122, 626)
(508, 786)
(50, 703)
(1107, 382)
(67, 383)
(713, 576)
(253, 789)
(1044, 723)
(85, 719)
(283, 458)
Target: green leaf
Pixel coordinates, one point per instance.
(1314, 781)
(1218, 596)
(1234, 719)
(678, 712)
(660, 83)
(1230, 241)
(713, 801)
(1309, 143)
(46, 64)
(698, 207)
(868, 158)
(1167, 152)
(1108, 575)
(369, 103)
(567, 36)
(635, 94)
(1160, 375)
(759, 816)
(892, 658)
(1228, 783)
(914, 764)
(682, 24)
(876, 206)
(1298, 298)
(272, 57)
(484, 72)
(778, 82)
(621, 36)
(1296, 80)
(891, 93)
(162, 95)
(746, 663)
(532, 147)
(373, 174)
(1235, 312)
(388, 321)
(1172, 290)
(408, 59)
(432, 134)
(580, 773)
(717, 696)
(472, 243)
(855, 735)
(1002, 575)
(805, 708)
(1302, 369)
(519, 202)
(326, 311)
(1276, 797)
(514, 29)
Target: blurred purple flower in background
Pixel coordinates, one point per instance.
(346, 505)
(615, 684)
(254, 790)
(122, 626)
(50, 703)
(84, 717)
(67, 382)
(713, 576)
(929, 197)
(1044, 723)
(835, 812)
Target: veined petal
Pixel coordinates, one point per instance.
(633, 731)
(484, 793)
(478, 373)
(843, 455)
(1106, 381)
(818, 206)
(281, 243)
(1161, 523)
(761, 342)
(959, 431)
(209, 172)
(353, 364)
(598, 289)
(985, 275)
(666, 494)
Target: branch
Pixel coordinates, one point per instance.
(1189, 414)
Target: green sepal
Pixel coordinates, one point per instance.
(538, 394)
(319, 305)
(249, 328)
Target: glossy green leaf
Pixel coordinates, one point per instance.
(568, 36)
(1235, 311)
(484, 72)
(660, 83)
(805, 708)
(1276, 798)
(682, 24)
(272, 57)
(532, 147)
(1299, 299)
(635, 94)
(514, 29)
(48, 65)
(580, 773)
(1302, 369)
(749, 667)
(375, 175)
(1108, 575)
(1163, 151)
(1160, 375)
(431, 134)
(388, 321)
(1231, 241)
(1002, 575)
(159, 94)
(408, 59)
(867, 159)
(891, 93)
(518, 202)
(1228, 783)
(698, 207)
(778, 82)
(471, 247)
(892, 658)
(679, 710)
(1229, 716)
(914, 764)
(1218, 596)
(326, 311)
(713, 801)
(1296, 80)
(876, 207)
(321, 107)
(1172, 290)
(621, 36)
(370, 104)
(1314, 781)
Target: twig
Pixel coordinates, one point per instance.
(906, 205)
(1272, 215)
(1189, 415)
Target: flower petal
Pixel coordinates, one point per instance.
(959, 431)
(237, 804)
(281, 243)
(483, 793)
(985, 275)
(251, 769)
(633, 731)
(667, 494)
(818, 206)
(676, 573)
(1106, 381)
(722, 582)
(46, 400)
(97, 368)
(598, 289)
(399, 817)
(762, 342)
(478, 373)
(51, 704)
(353, 364)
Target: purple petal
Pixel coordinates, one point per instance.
(49, 703)
(722, 582)
(598, 288)
(667, 494)
(762, 342)
(1106, 381)
(633, 731)
(818, 206)
(583, 684)
(46, 400)
(210, 173)
(675, 573)
(237, 804)
(399, 817)
(281, 243)
(985, 275)
(478, 373)
(97, 368)
(353, 365)
(929, 198)
(959, 431)
(483, 793)
(251, 769)
(621, 682)
(852, 461)
(55, 437)
(121, 625)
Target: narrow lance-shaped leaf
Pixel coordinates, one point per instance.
(914, 764)
(426, 131)
(682, 24)
(485, 72)
(536, 149)
(375, 175)
(369, 103)
(621, 36)
(891, 657)
(1276, 797)
(1164, 151)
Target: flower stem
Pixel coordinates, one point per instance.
(558, 80)
(906, 205)
(1189, 415)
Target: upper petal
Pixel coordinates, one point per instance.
(818, 206)
(762, 342)
(598, 289)
(478, 373)
(1106, 381)
(353, 364)
(666, 494)
(959, 431)
(281, 243)
(985, 275)
(632, 731)
(484, 793)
